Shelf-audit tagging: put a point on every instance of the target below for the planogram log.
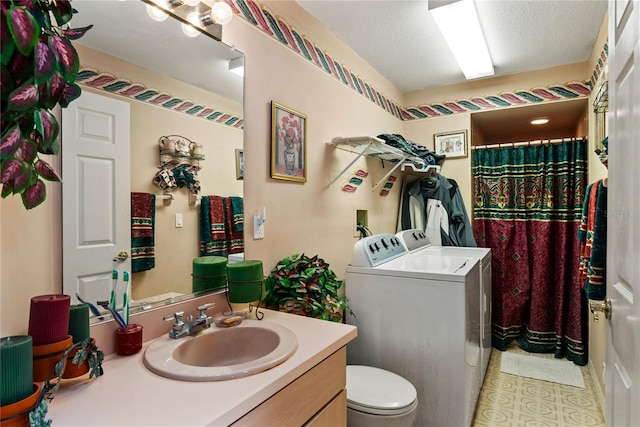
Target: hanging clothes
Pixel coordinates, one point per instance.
(592, 235)
(438, 187)
(437, 222)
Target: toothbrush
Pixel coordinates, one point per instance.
(116, 316)
(114, 284)
(125, 297)
(92, 307)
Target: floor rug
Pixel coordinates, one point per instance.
(559, 371)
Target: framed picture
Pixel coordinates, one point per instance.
(288, 144)
(239, 163)
(451, 144)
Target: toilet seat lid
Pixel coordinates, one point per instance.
(375, 390)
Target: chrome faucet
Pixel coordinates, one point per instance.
(191, 327)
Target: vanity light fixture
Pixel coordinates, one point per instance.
(459, 24)
(236, 66)
(540, 121)
(196, 16)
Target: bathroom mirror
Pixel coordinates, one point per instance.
(126, 40)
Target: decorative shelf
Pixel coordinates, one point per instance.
(601, 102)
(178, 155)
(370, 146)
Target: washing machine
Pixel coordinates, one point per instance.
(413, 317)
(416, 241)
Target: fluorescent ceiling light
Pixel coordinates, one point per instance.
(458, 23)
(237, 66)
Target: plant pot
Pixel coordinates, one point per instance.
(17, 414)
(72, 370)
(46, 356)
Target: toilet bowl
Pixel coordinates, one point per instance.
(379, 398)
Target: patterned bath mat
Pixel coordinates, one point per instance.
(559, 371)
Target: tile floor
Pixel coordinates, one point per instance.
(511, 400)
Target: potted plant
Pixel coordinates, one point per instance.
(306, 286)
(39, 69)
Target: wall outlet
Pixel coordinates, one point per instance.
(258, 227)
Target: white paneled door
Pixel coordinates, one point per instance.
(95, 195)
(622, 376)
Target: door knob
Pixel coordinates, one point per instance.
(121, 257)
(597, 307)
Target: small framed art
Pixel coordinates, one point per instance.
(288, 144)
(451, 144)
(239, 163)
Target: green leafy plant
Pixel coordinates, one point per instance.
(39, 69)
(308, 283)
(87, 351)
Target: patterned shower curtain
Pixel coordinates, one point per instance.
(527, 208)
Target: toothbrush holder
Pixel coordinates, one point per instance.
(129, 340)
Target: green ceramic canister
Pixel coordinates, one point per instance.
(209, 273)
(245, 281)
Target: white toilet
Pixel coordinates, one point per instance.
(379, 398)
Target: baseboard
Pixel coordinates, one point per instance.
(599, 390)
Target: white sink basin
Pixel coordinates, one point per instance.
(218, 354)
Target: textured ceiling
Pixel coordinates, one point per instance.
(400, 39)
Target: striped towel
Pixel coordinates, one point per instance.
(234, 218)
(592, 235)
(143, 213)
(213, 239)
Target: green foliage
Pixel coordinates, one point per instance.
(309, 282)
(39, 69)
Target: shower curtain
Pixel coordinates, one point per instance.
(527, 209)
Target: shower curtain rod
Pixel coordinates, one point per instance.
(521, 143)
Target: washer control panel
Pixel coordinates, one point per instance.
(413, 239)
(375, 250)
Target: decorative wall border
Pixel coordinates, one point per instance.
(276, 27)
(602, 61)
(139, 92)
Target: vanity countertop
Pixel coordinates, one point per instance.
(128, 394)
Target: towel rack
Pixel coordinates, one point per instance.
(194, 198)
(166, 198)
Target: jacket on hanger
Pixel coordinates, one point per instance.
(438, 188)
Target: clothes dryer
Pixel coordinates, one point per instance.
(416, 242)
(413, 317)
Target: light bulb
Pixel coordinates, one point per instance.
(191, 2)
(221, 13)
(190, 29)
(156, 13)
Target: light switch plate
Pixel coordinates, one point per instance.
(179, 221)
(258, 227)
